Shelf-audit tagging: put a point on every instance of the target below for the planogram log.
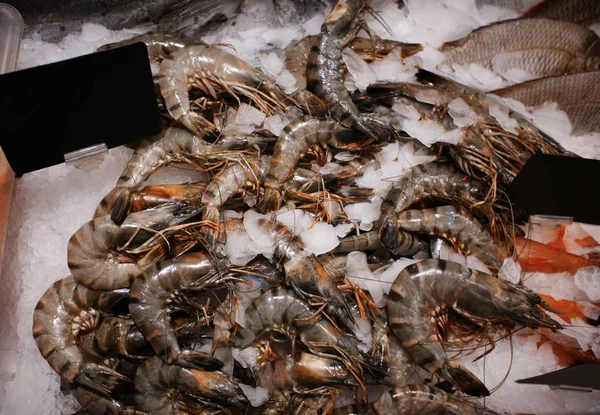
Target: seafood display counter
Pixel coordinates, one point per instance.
(321, 227)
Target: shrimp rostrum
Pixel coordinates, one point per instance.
(422, 291)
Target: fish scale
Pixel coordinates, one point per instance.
(543, 46)
(576, 94)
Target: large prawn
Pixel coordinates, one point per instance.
(174, 145)
(457, 225)
(423, 290)
(152, 296)
(212, 69)
(97, 254)
(65, 310)
(324, 71)
(166, 389)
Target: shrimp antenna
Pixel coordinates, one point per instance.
(377, 16)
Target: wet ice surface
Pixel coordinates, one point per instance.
(50, 205)
(47, 208)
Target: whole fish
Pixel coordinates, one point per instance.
(542, 47)
(577, 94)
(582, 12)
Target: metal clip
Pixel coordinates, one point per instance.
(87, 159)
(571, 388)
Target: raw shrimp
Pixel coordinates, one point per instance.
(174, 145)
(457, 225)
(160, 44)
(162, 389)
(211, 69)
(314, 371)
(233, 178)
(401, 363)
(406, 244)
(380, 348)
(423, 290)
(65, 310)
(305, 274)
(151, 196)
(97, 404)
(370, 48)
(296, 58)
(281, 311)
(439, 180)
(324, 72)
(308, 371)
(367, 241)
(152, 295)
(425, 400)
(119, 337)
(96, 255)
(293, 141)
(247, 287)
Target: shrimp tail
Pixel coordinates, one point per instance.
(121, 206)
(385, 90)
(378, 129)
(464, 380)
(389, 234)
(350, 192)
(271, 200)
(310, 103)
(101, 378)
(197, 360)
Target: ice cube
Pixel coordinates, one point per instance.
(275, 124)
(287, 82)
(462, 114)
(256, 396)
(364, 212)
(320, 238)
(271, 64)
(248, 115)
(313, 25)
(362, 73)
(510, 271)
(587, 279)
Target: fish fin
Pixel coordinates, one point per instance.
(535, 10)
(197, 360)
(464, 380)
(180, 16)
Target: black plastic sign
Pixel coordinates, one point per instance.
(559, 186)
(47, 111)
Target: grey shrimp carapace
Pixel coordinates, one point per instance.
(423, 290)
(63, 312)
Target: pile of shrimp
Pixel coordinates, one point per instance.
(156, 319)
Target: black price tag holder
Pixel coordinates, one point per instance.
(75, 109)
(559, 186)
